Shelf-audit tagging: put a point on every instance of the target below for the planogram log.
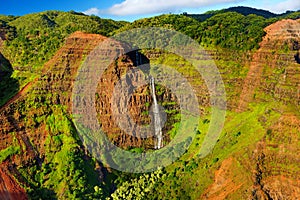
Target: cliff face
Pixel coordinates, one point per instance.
(104, 96)
(282, 82)
(274, 69)
(9, 188)
(27, 119)
(61, 71)
(54, 87)
(113, 101)
(271, 165)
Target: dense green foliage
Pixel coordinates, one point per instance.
(232, 30)
(38, 36)
(291, 15)
(138, 188)
(65, 171)
(238, 28)
(240, 9)
(176, 22)
(9, 151)
(7, 31)
(226, 30)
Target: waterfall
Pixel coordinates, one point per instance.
(157, 119)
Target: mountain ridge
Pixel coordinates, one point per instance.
(241, 10)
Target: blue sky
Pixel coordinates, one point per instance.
(130, 10)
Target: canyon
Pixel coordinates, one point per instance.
(263, 90)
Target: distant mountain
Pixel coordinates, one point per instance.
(240, 9)
(247, 11)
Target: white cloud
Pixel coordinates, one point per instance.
(92, 11)
(137, 7)
(284, 6)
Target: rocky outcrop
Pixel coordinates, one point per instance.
(225, 181)
(274, 69)
(18, 117)
(270, 170)
(55, 86)
(277, 156)
(136, 101)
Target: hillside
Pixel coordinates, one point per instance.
(253, 157)
(29, 41)
(256, 156)
(239, 9)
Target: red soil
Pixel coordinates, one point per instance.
(9, 188)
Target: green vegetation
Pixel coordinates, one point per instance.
(138, 188)
(176, 22)
(63, 169)
(8, 31)
(40, 35)
(181, 179)
(31, 40)
(9, 151)
(66, 172)
(240, 9)
(291, 15)
(227, 30)
(232, 30)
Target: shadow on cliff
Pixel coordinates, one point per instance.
(140, 60)
(297, 58)
(8, 85)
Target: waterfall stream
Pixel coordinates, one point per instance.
(157, 118)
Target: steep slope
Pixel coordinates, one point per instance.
(28, 42)
(257, 154)
(277, 63)
(279, 152)
(38, 124)
(273, 77)
(39, 35)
